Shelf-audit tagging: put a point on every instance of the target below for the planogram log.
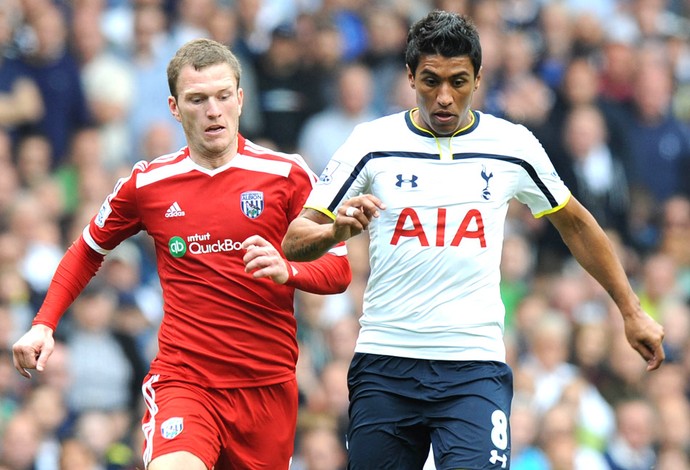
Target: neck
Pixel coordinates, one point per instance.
(211, 161)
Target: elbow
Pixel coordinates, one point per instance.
(342, 275)
(345, 280)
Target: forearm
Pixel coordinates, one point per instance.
(314, 232)
(329, 274)
(594, 251)
(74, 272)
(307, 240)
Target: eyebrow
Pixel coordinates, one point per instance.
(426, 71)
(203, 93)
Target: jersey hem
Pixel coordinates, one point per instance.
(554, 209)
(245, 383)
(472, 355)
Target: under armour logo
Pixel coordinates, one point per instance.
(411, 181)
(485, 192)
(495, 458)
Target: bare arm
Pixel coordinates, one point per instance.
(593, 250)
(313, 233)
(330, 274)
(77, 267)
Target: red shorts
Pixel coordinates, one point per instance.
(238, 428)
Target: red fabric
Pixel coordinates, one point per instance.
(326, 275)
(74, 272)
(243, 420)
(221, 327)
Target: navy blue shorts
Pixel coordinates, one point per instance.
(399, 406)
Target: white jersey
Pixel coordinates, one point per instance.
(435, 252)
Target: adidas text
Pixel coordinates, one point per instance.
(174, 211)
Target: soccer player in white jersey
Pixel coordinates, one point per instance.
(432, 185)
(221, 392)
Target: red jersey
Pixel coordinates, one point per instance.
(221, 327)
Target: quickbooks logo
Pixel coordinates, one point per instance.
(201, 244)
(177, 247)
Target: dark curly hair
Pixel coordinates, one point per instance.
(443, 33)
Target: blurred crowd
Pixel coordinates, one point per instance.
(604, 84)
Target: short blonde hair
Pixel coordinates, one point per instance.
(201, 53)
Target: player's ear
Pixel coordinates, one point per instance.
(240, 100)
(478, 78)
(174, 110)
(410, 77)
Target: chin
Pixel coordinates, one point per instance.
(445, 129)
(443, 132)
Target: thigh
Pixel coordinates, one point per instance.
(386, 432)
(471, 430)
(260, 425)
(179, 423)
(386, 429)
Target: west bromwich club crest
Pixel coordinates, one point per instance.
(172, 428)
(252, 203)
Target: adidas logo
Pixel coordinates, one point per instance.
(174, 210)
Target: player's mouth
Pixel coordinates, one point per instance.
(444, 117)
(214, 130)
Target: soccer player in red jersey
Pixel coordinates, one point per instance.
(221, 392)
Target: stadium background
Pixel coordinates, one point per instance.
(604, 84)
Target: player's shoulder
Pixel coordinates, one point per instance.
(274, 161)
(383, 125)
(378, 133)
(494, 128)
(493, 123)
(163, 160)
(255, 150)
(161, 168)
